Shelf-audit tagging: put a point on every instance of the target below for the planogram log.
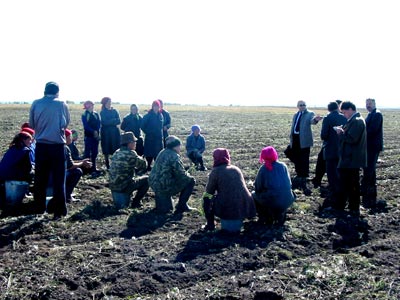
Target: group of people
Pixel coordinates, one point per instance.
(135, 163)
(350, 144)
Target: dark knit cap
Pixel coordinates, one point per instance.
(172, 141)
(127, 138)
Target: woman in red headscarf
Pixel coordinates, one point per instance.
(273, 193)
(227, 196)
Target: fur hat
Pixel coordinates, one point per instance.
(127, 138)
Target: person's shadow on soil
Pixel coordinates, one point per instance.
(96, 211)
(351, 232)
(143, 223)
(252, 236)
(17, 228)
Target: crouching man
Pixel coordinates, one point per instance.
(74, 169)
(168, 177)
(125, 165)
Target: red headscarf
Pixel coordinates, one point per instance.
(67, 132)
(268, 155)
(26, 128)
(156, 102)
(221, 157)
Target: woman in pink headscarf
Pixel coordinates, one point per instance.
(273, 193)
(227, 196)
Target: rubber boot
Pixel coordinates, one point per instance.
(182, 205)
(208, 208)
(303, 186)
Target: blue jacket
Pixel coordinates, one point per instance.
(16, 164)
(273, 188)
(195, 144)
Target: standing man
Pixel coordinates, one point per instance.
(374, 124)
(331, 146)
(301, 140)
(167, 121)
(352, 157)
(49, 117)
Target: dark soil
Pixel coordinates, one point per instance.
(98, 252)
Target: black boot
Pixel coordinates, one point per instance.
(141, 191)
(182, 205)
(304, 187)
(208, 208)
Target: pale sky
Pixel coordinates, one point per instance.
(202, 52)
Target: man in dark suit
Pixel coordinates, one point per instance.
(352, 157)
(331, 146)
(374, 123)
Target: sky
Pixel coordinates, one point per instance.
(225, 52)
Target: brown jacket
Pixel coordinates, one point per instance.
(233, 200)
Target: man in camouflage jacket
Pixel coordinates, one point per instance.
(168, 177)
(124, 166)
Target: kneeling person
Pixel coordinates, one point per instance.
(125, 164)
(168, 177)
(273, 194)
(74, 168)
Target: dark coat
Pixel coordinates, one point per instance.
(132, 123)
(152, 126)
(353, 144)
(374, 124)
(329, 135)
(16, 164)
(110, 134)
(167, 122)
(91, 123)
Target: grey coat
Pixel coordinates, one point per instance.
(306, 136)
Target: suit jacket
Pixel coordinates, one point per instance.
(353, 144)
(374, 123)
(305, 133)
(329, 135)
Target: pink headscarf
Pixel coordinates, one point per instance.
(221, 157)
(156, 102)
(268, 155)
